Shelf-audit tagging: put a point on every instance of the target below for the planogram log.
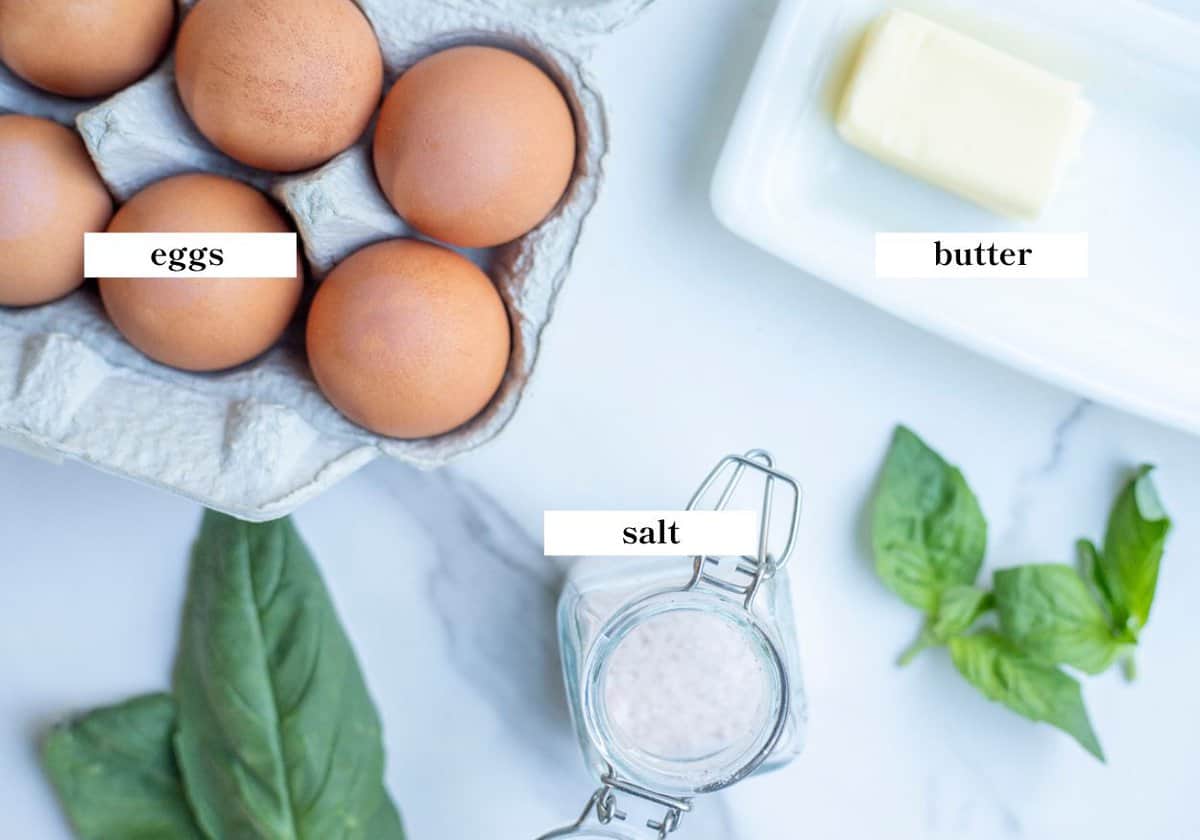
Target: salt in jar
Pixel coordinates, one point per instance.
(683, 675)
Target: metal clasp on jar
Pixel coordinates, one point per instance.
(603, 805)
(764, 566)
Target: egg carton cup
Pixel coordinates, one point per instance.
(260, 440)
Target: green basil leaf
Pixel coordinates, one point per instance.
(386, 823)
(928, 532)
(278, 737)
(1039, 692)
(1133, 548)
(1050, 613)
(115, 773)
(960, 607)
(1090, 570)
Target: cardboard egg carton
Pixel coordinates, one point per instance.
(260, 440)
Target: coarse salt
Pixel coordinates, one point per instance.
(685, 685)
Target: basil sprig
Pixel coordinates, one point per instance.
(271, 733)
(929, 538)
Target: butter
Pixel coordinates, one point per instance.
(962, 115)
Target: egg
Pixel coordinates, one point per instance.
(475, 146)
(197, 323)
(277, 84)
(84, 48)
(408, 339)
(50, 196)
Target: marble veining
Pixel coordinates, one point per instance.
(1032, 479)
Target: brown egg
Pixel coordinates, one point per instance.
(278, 84)
(408, 339)
(201, 323)
(475, 146)
(84, 49)
(50, 196)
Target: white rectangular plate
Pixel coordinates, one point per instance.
(1129, 335)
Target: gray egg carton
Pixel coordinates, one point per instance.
(260, 440)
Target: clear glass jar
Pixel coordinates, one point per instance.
(683, 675)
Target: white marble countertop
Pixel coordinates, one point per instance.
(673, 344)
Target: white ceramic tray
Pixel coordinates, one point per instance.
(1130, 334)
(259, 440)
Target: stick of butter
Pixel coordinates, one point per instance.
(961, 114)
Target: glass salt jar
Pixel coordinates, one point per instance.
(683, 676)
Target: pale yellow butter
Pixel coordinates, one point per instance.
(962, 115)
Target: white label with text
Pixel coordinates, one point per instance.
(165, 255)
(650, 533)
(981, 256)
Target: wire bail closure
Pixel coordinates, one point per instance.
(764, 566)
(604, 805)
